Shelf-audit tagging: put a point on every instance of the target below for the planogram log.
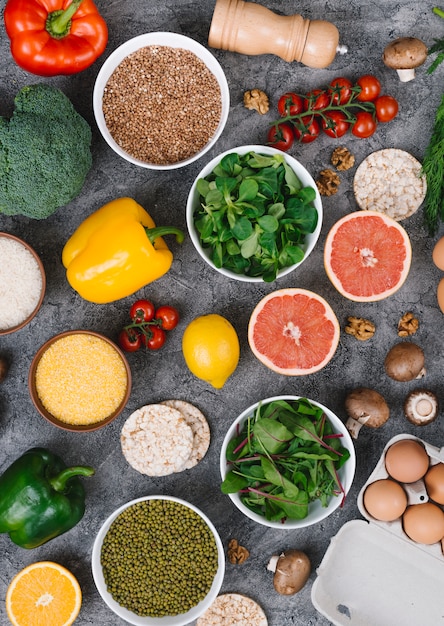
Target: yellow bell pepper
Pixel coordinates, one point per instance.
(116, 251)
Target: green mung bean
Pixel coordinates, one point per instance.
(159, 558)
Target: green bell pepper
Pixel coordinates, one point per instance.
(40, 497)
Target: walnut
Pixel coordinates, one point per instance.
(407, 325)
(237, 554)
(342, 158)
(360, 328)
(257, 100)
(328, 183)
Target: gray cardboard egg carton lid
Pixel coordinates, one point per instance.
(372, 574)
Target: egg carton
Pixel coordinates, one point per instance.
(416, 493)
(373, 574)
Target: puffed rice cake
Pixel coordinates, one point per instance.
(389, 181)
(196, 420)
(233, 609)
(156, 440)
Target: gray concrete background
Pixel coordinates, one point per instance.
(365, 27)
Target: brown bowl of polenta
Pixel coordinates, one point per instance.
(79, 380)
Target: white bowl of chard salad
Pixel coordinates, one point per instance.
(287, 462)
(254, 213)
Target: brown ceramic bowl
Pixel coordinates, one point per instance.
(74, 377)
(12, 240)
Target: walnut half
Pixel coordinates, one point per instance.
(342, 158)
(407, 325)
(237, 554)
(257, 100)
(328, 182)
(360, 328)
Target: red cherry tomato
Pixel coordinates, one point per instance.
(336, 124)
(370, 88)
(340, 90)
(386, 108)
(155, 338)
(281, 136)
(142, 311)
(290, 104)
(308, 133)
(317, 100)
(130, 340)
(168, 315)
(365, 125)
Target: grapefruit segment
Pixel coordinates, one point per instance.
(367, 256)
(293, 332)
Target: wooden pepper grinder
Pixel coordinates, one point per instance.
(250, 28)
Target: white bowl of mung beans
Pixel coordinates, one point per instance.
(79, 380)
(158, 561)
(161, 100)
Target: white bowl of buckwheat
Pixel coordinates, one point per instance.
(161, 100)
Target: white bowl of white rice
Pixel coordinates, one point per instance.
(161, 100)
(22, 283)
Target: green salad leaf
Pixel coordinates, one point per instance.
(254, 214)
(285, 456)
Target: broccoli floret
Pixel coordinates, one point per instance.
(45, 153)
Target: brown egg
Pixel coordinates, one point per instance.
(440, 294)
(434, 482)
(406, 460)
(385, 500)
(438, 254)
(424, 523)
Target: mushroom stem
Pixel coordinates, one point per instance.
(406, 75)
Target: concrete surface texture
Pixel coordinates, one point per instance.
(365, 28)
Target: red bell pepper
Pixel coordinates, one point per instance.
(52, 37)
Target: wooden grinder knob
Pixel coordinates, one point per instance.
(252, 29)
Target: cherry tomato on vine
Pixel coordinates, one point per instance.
(336, 124)
(316, 100)
(142, 311)
(290, 104)
(310, 132)
(386, 108)
(130, 340)
(155, 338)
(281, 136)
(370, 88)
(168, 315)
(365, 125)
(340, 90)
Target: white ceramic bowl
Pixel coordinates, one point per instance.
(172, 40)
(173, 620)
(316, 512)
(193, 202)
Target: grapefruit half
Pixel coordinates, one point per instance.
(293, 332)
(367, 256)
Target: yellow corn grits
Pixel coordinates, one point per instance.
(81, 379)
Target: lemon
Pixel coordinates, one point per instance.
(210, 347)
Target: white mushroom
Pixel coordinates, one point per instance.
(421, 407)
(365, 407)
(404, 55)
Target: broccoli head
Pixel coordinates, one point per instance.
(45, 153)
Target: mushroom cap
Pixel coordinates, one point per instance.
(421, 407)
(367, 406)
(405, 361)
(291, 571)
(405, 53)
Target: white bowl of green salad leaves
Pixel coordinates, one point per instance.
(254, 213)
(287, 462)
